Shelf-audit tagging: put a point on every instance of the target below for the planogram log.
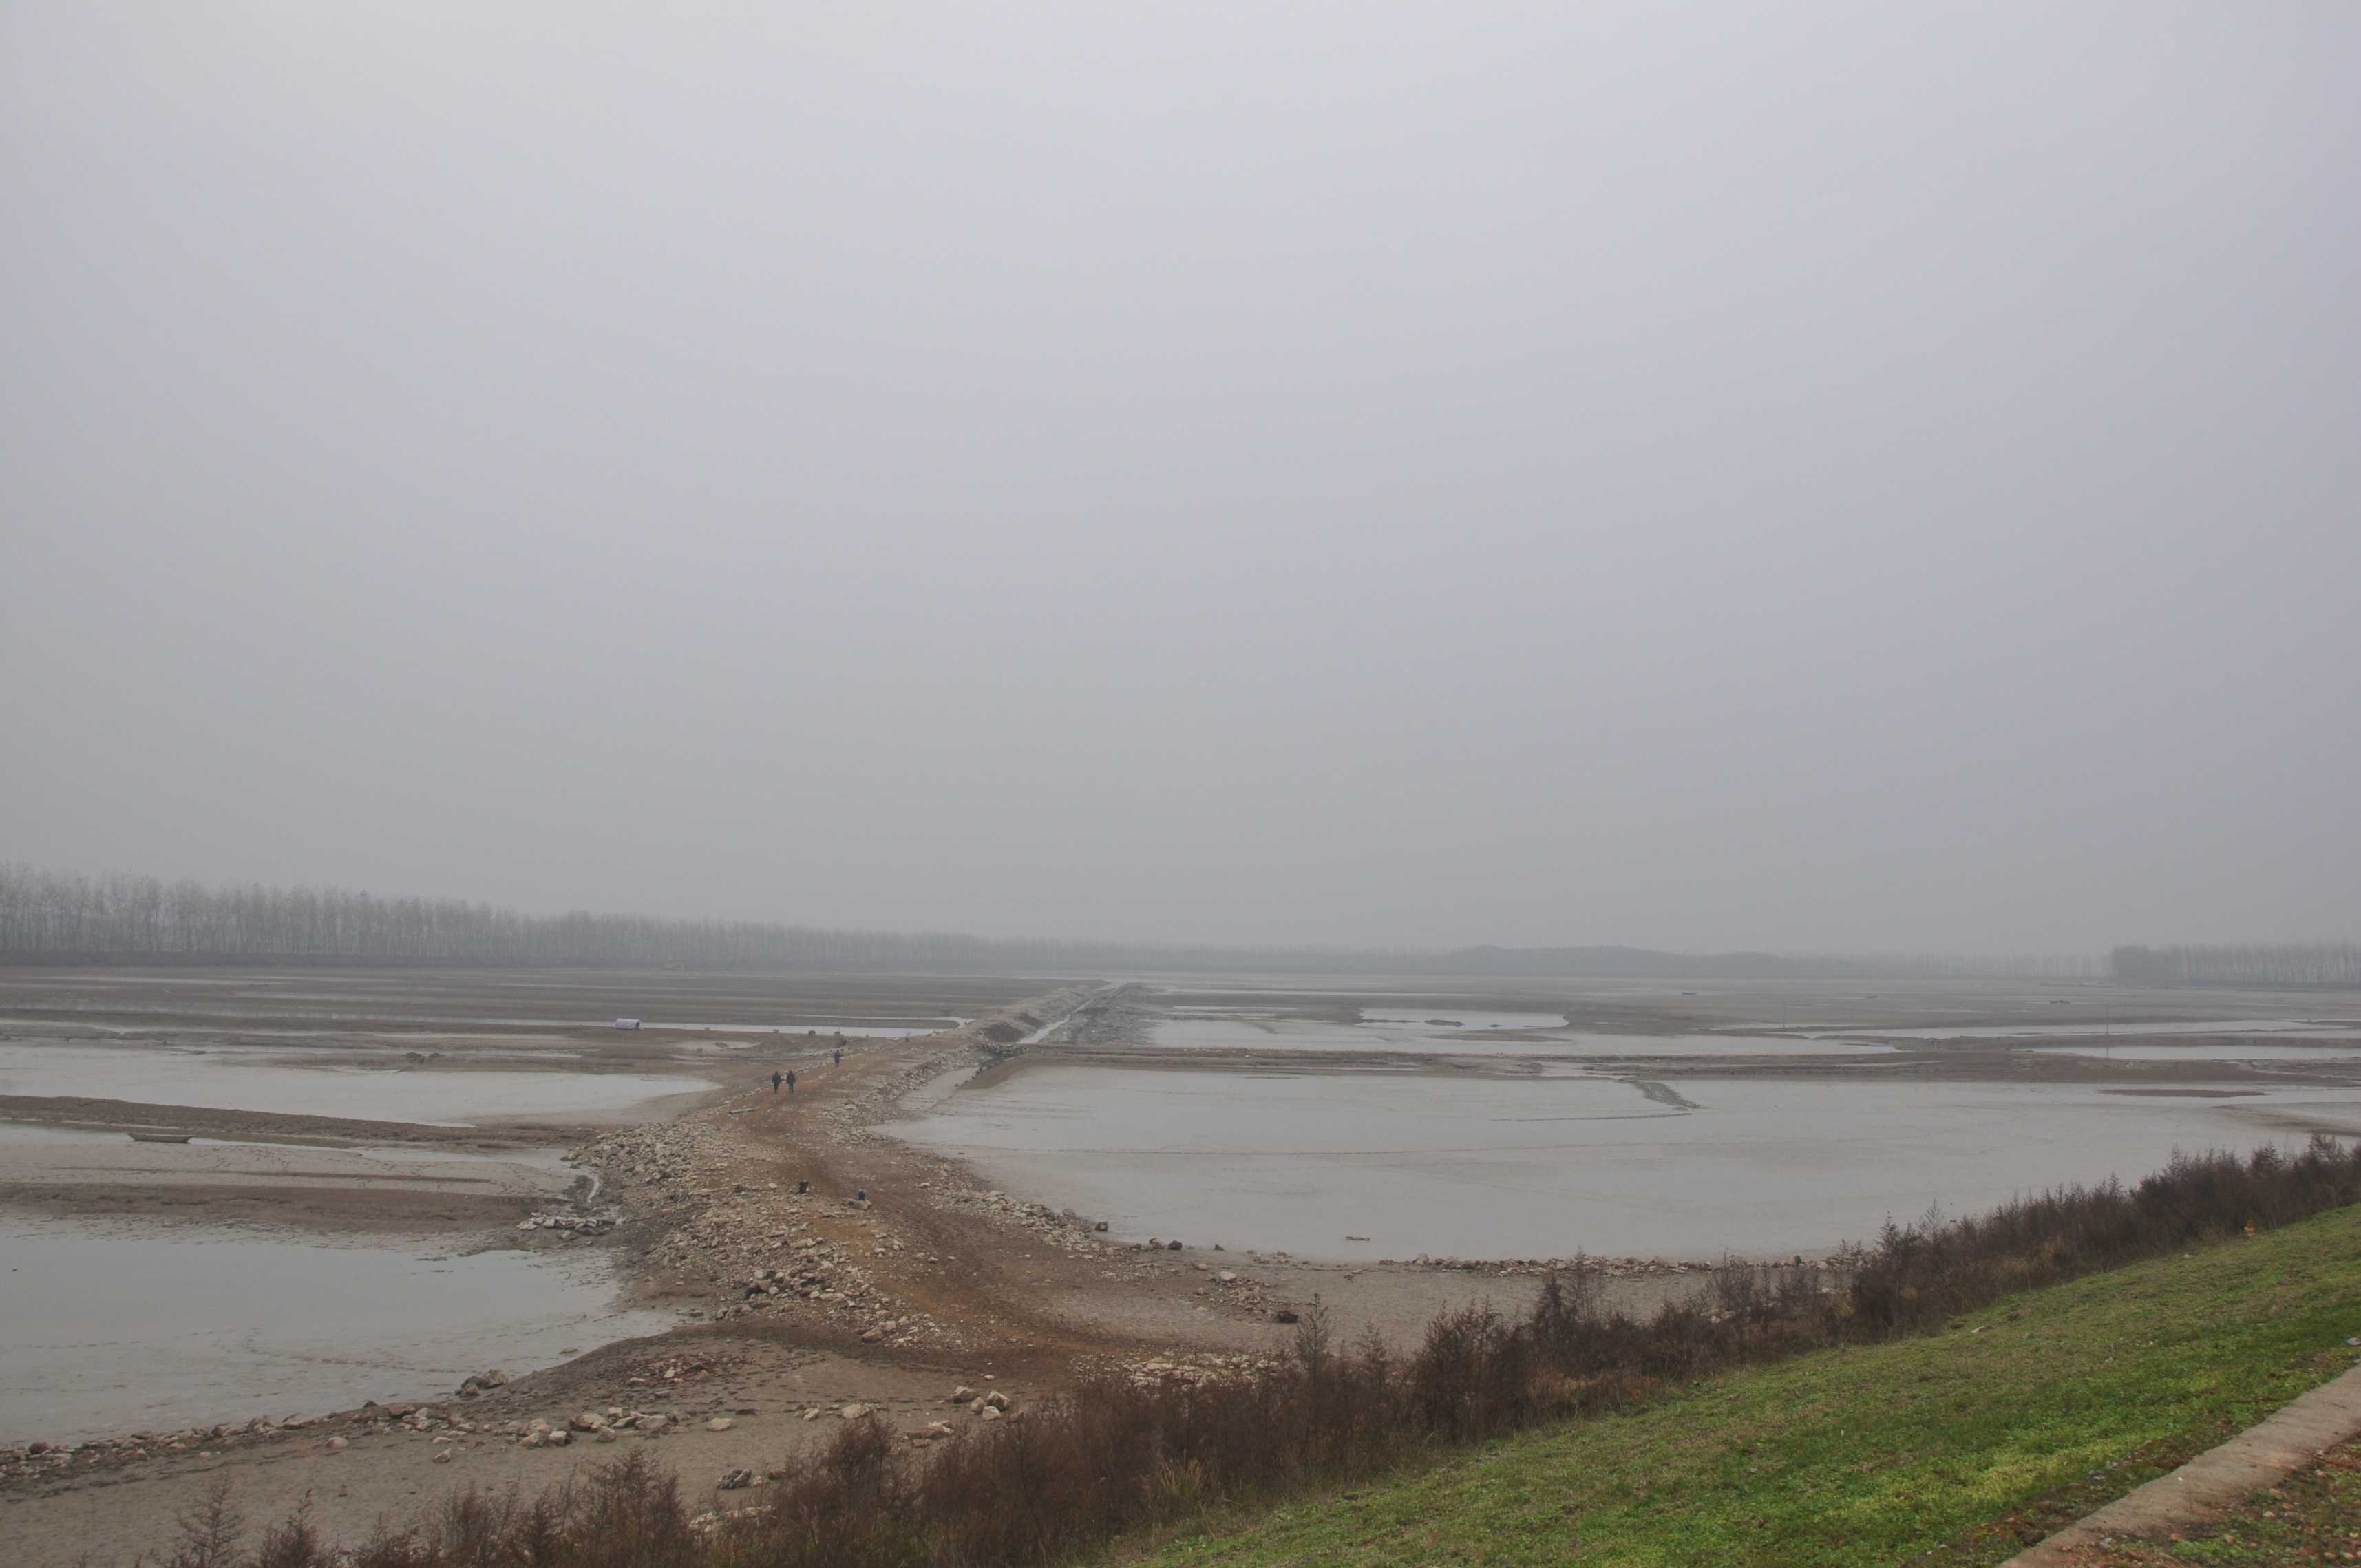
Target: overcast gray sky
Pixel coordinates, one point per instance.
(1809, 476)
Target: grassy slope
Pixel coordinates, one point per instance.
(1961, 1444)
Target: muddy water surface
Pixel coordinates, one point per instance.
(1547, 1166)
(154, 1329)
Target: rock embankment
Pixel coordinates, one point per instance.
(721, 1206)
(488, 1410)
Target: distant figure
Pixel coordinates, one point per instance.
(774, 1083)
(839, 1057)
(791, 1083)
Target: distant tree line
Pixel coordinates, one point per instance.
(53, 916)
(48, 914)
(2261, 964)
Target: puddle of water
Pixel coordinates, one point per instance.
(1546, 1166)
(234, 1081)
(110, 1333)
(1462, 1020)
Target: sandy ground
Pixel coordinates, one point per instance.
(793, 1303)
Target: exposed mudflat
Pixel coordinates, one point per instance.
(1290, 1132)
(269, 1080)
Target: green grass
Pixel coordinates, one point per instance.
(1951, 1449)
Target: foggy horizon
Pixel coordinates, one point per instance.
(1811, 481)
(101, 882)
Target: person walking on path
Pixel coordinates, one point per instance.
(840, 1055)
(774, 1083)
(791, 1083)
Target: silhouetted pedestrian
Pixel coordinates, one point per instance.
(774, 1083)
(791, 1083)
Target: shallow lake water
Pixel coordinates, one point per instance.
(151, 1330)
(1546, 1166)
(1533, 1033)
(243, 1080)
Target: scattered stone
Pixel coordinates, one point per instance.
(720, 1423)
(854, 1412)
(734, 1480)
(338, 1444)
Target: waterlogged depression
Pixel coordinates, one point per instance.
(157, 1330)
(1525, 1167)
(296, 1274)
